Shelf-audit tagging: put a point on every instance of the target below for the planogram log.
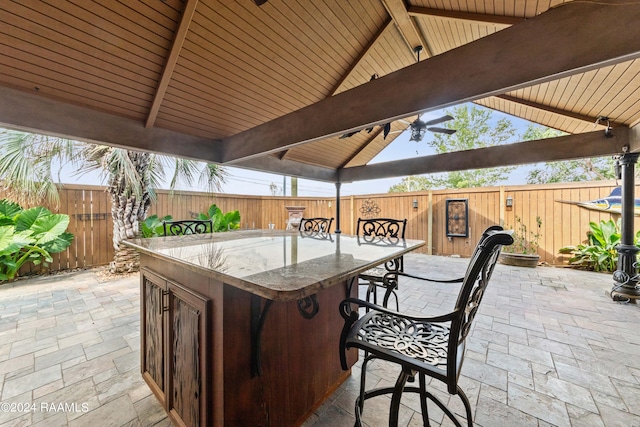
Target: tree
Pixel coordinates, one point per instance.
(27, 162)
(411, 183)
(590, 169)
(474, 130)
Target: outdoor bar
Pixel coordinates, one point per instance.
(242, 328)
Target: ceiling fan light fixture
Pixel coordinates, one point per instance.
(418, 129)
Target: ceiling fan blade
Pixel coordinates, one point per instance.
(439, 120)
(260, 2)
(442, 130)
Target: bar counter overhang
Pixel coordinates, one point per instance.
(242, 328)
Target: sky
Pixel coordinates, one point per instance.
(243, 181)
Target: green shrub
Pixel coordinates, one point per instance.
(221, 222)
(29, 235)
(599, 252)
(152, 226)
(524, 241)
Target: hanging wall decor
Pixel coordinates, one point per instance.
(457, 217)
(369, 209)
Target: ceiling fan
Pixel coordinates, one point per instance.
(419, 128)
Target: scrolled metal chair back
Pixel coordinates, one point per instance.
(386, 228)
(179, 228)
(474, 285)
(315, 225)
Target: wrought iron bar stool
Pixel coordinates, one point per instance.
(187, 226)
(423, 346)
(393, 231)
(315, 225)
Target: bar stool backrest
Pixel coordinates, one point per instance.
(189, 226)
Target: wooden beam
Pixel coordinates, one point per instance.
(634, 139)
(83, 124)
(174, 54)
(273, 164)
(553, 110)
(592, 144)
(466, 16)
(544, 48)
(398, 12)
(372, 137)
(362, 54)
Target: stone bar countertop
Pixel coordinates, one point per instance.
(275, 264)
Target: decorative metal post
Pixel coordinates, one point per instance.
(625, 278)
(338, 231)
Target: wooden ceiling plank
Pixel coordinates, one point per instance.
(398, 12)
(91, 100)
(172, 59)
(23, 35)
(466, 16)
(361, 55)
(443, 80)
(592, 144)
(558, 111)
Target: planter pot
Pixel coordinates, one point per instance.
(520, 260)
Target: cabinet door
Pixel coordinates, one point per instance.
(152, 332)
(188, 376)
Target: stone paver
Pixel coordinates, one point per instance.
(548, 348)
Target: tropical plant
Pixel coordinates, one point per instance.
(221, 221)
(152, 226)
(599, 252)
(524, 241)
(26, 172)
(29, 235)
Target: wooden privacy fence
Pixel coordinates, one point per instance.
(563, 224)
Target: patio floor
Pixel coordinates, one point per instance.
(547, 349)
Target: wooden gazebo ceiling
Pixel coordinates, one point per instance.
(274, 87)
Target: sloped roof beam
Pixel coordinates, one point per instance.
(492, 65)
(553, 110)
(398, 12)
(466, 16)
(584, 145)
(174, 54)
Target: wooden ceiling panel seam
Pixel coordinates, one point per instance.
(592, 102)
(95, 34)
(214, 111)
(162, 123)
(196, 56)
(213, 119)
(226, 92)
(33, 33)
(172, 58)
(627, 82)
(191, 73)
(365, 50)
(226, 53)
(303, 43)
(42, 58)
(54, 93)
(177, 116)
(55, 50)
(162, 15)
(136, 24)
(69, 82)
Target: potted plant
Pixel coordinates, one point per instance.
(524, 251)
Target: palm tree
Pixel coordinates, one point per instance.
(27, 162)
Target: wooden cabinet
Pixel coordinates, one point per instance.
(175, 348)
